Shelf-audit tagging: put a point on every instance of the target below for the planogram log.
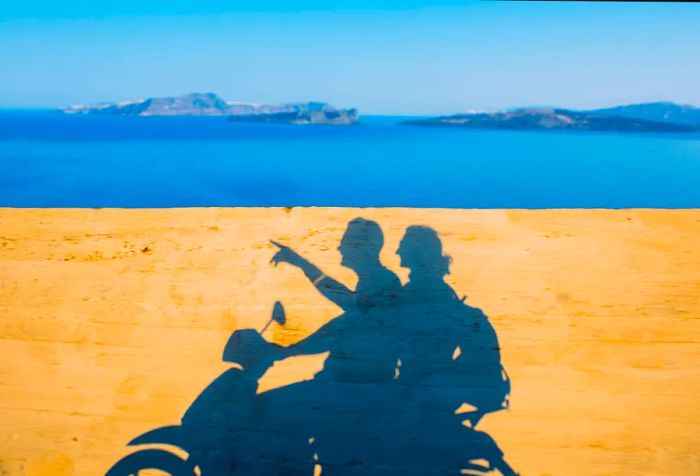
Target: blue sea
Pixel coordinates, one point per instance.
(52, 160)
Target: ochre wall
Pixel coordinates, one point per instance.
(113, 321)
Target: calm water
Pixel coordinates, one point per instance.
(50, 160)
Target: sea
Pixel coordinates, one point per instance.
(48, 159)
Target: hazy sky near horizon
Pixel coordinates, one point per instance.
(424, 57)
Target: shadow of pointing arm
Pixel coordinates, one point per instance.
(335, 291)
(331, 289)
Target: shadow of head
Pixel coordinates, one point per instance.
(361, 244)
(421, 252)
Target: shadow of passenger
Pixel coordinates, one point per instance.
(449, 371)
(448, 345)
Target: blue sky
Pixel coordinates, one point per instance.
(424, 57)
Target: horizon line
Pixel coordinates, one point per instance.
(466, 110)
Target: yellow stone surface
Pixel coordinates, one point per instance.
(113, 321)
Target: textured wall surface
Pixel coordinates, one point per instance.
(113, 321)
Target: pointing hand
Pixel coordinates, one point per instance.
(285, 255)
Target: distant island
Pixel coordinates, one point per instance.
(648, 117)
(645, 117)
(666, 112)
(210, 104)
(297, 113)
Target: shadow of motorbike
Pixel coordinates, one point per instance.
(220, 435)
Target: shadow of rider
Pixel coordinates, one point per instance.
(448, 346)
(354, 338)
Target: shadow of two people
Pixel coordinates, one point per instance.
(402, 360)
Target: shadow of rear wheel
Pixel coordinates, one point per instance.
(152, 459)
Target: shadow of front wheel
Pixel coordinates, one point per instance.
(152, 459)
